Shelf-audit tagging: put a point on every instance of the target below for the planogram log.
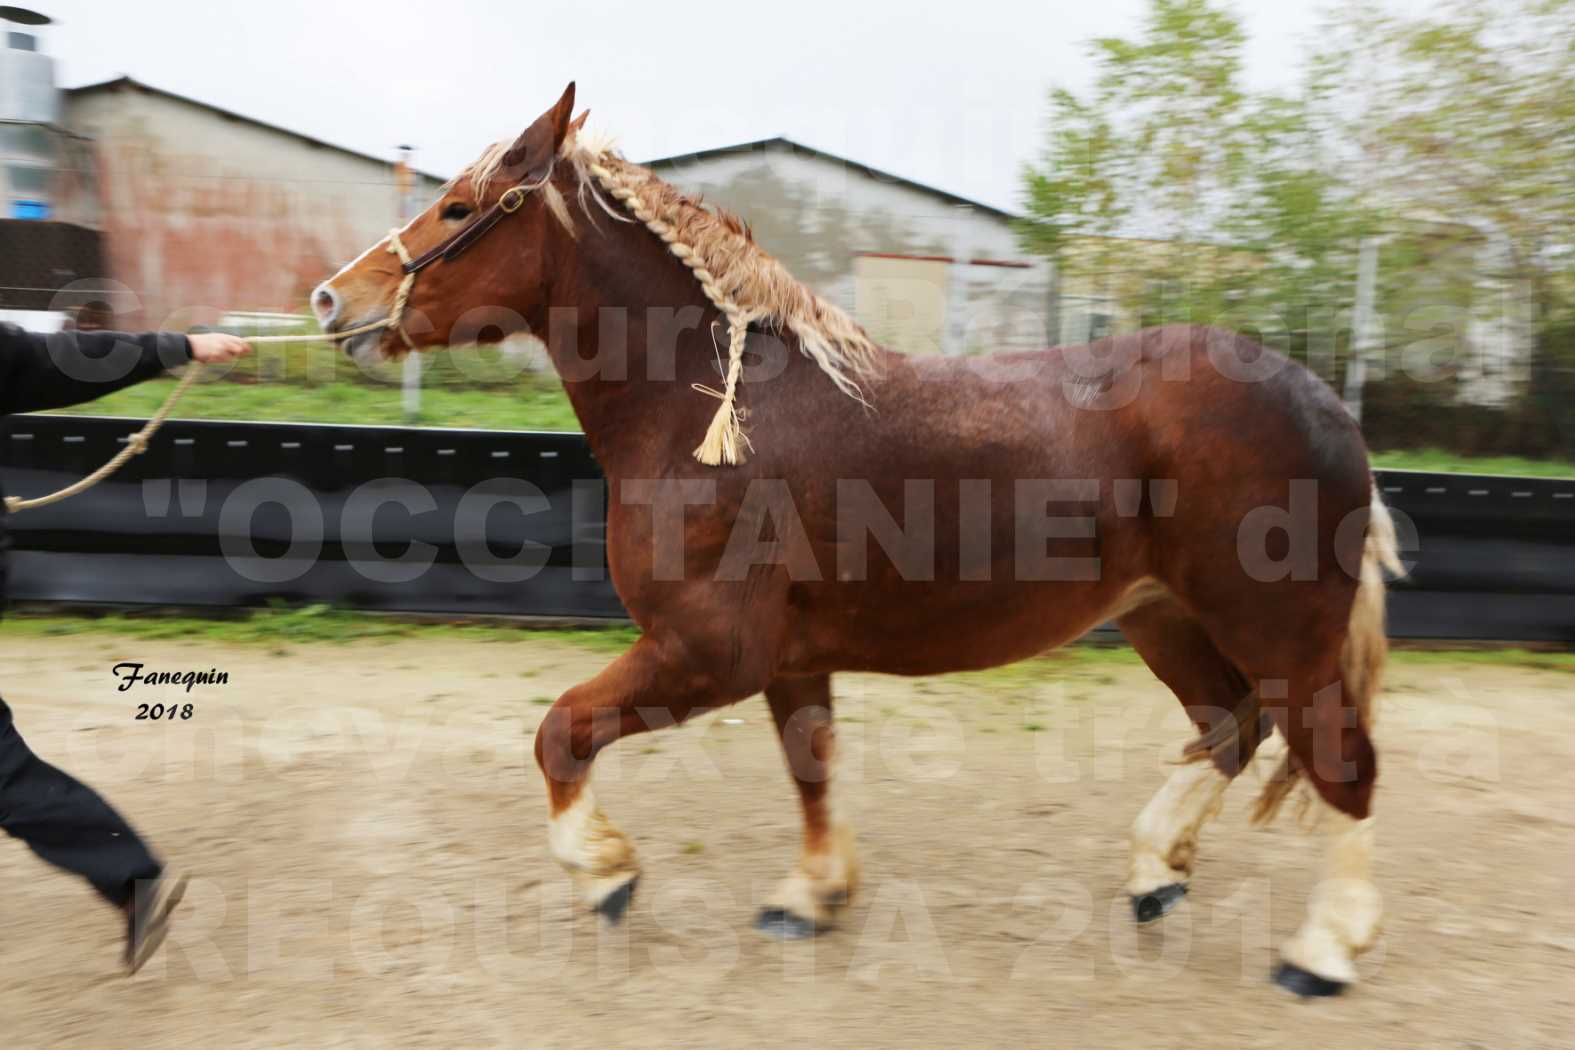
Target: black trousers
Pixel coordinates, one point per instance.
(66, 823)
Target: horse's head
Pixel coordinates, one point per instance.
(459, 281)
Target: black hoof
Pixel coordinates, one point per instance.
(1305, 983)
(1155, 905)
(784, 925)
(616, 903)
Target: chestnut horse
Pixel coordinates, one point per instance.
(1211, 497)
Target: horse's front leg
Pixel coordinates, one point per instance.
(828, 872)
(651, 685)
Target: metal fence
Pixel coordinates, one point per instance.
(239, 514)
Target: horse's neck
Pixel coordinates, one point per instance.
(640, 342)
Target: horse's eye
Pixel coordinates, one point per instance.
(457, 211)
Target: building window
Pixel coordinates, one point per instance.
(27, 180)
(30, 141)
(27, 188)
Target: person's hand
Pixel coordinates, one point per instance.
(214, 348)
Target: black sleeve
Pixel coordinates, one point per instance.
(67, 368)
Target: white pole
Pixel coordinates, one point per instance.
(409, 205)
(956, 324)
(1364, 318)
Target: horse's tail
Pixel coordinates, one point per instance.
(1362, 656)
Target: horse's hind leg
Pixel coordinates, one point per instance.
(1219, 700)
(1343, 914)
(807, 900)
(1318, 674)
(648, 687)
(1329, 749)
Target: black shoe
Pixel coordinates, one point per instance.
(148, 916)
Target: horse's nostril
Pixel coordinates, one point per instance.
(325, 304)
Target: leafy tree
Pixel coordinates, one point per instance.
(1468, 115)
(1253, 229)
(1451, 133)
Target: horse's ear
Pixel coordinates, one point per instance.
(579, 122)
(539, 143)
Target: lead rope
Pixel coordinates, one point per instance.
(137, 443)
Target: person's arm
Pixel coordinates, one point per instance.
(67, 368)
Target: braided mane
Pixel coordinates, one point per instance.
(745, 283)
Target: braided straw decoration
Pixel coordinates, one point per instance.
(724, 438)
(396, 316)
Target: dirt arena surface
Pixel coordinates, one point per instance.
(366, 831)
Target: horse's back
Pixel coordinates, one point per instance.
(1171, 401)
(1152, 449)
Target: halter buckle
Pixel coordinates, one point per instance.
(512, 199)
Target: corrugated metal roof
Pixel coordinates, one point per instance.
(783, 142)
(129, 82)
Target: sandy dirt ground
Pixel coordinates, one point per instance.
(366, 832)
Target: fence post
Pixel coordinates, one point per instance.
(409, 205)
(1363, 319)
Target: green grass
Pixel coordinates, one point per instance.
(1434, 459)
(1080, 660)
(320, 624)
(310, 624)
(1546, 660)
(531, 402)
(283, 629)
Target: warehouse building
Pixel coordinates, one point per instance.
(170, 209)
(924, 270)
(175, 211)
(204, 210)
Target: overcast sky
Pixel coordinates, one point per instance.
(954, 96)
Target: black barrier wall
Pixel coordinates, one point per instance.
(385, 518)
(408, 519)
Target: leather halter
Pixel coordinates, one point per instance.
(510, 202)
